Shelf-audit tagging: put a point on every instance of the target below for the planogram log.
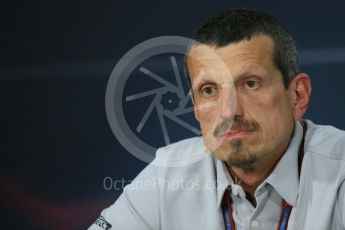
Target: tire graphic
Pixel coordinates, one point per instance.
(168, 102)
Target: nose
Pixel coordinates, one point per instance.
(229, 104)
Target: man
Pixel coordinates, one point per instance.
(258, 165)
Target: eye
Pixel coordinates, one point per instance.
(251, 84)
(208, 90)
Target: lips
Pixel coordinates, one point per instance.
(236, 134)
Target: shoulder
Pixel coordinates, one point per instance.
(325, 141)
(183, 152)
(184, 147)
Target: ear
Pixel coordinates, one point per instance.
(300, 89)
(196, 113)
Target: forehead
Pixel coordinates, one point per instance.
(254, 55)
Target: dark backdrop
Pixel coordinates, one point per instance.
(56, 58)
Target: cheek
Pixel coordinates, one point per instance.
(206, 118)
(277, 118)
(273, 113)
(205, 112)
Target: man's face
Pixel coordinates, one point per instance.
(245, 113)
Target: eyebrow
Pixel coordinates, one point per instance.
(202, 81)
(245, 71)
(252, 69)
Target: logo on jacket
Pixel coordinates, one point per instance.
(101, 222)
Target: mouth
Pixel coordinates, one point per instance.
(235, 134)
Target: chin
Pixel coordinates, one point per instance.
(247, 164)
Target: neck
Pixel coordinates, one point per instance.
(250, 180)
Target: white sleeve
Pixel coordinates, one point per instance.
(138, 206)
(339, 212)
